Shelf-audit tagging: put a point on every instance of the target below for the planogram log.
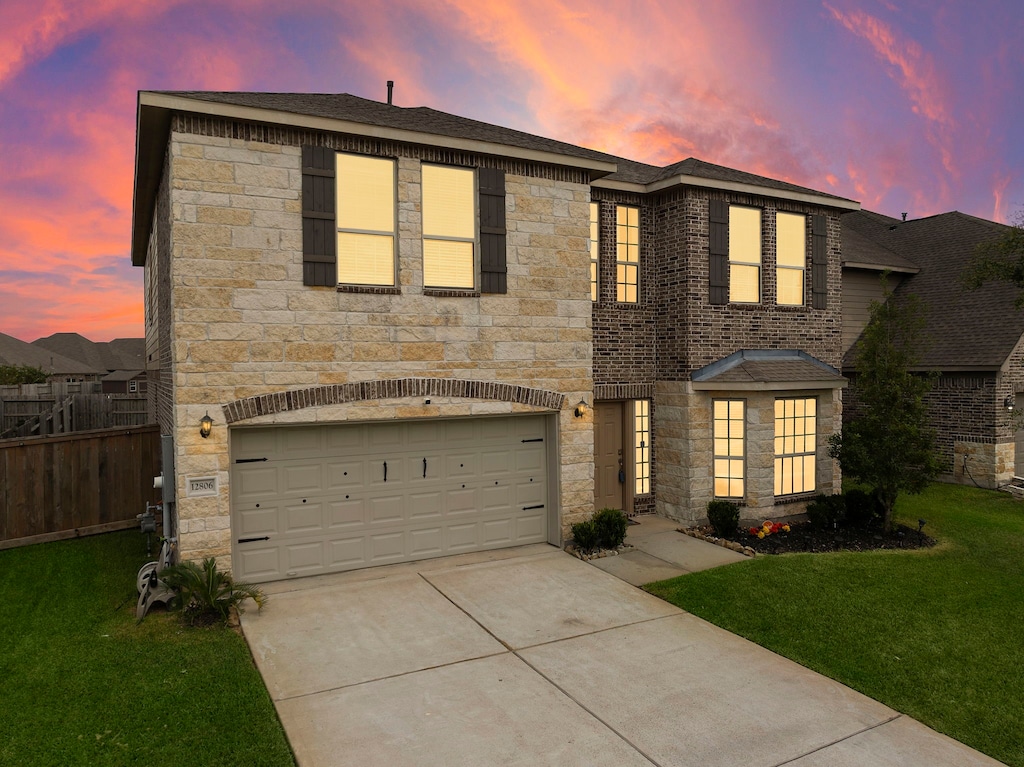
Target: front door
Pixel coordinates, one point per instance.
(609, 471)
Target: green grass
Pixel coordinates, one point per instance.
(82, 684)
(936, 634)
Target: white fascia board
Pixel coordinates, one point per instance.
(831, 383)
(620, 186)
(183, 104)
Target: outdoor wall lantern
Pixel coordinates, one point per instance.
(1008, 403)
(581, 408)
(205, 425)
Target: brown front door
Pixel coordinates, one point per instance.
(609, 474)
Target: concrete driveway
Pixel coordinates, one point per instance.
(529, 656)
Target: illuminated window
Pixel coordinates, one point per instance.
(595, 228)
(729, 433)
(366, 220)
(744, 255)
(790, 258)
(627, 253)
(795, 437)
(642, 446)
(449, 227)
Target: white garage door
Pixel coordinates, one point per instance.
(317, 499)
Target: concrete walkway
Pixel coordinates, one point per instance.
(529, 656)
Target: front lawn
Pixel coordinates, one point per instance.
(82, 684)
(937, 634)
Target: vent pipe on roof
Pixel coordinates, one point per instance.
(391, 89)
(904, 214)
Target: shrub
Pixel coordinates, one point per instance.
(585, 535)
(826, 511)
(862, 508)
(724, 517)
(610, 525)
(206, 594)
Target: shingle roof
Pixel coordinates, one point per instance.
(862, 251)
(767, 366)
(14, 351)
(119, 354)
(964, 329)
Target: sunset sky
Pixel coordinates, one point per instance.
(904, 105)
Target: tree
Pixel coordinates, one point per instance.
(1001, 260)
(888, 443)
(21, 374)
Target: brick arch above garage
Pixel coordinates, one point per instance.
(392, 388)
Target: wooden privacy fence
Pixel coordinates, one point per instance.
(28, 416)
(75, 484)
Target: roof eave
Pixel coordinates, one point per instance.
(825, 383)
(728, 186)
(881, 267)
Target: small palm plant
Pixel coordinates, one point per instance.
(206, 594)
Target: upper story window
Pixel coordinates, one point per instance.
(595, 229)
(744, 255)
(790, 258)
(627, 254)
(365, 192)
(449, 227)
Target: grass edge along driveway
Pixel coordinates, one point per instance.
(82, 684)
(936, 634)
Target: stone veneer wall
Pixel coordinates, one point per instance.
(245, 326)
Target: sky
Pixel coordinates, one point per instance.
(910, 106)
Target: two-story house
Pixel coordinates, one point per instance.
(378, 334)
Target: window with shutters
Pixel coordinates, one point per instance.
(627, 258)
(795, 445)
(790, 258)
(449, 227)
(365, 194)
(729, 433)
(744, 255)
(595, 264)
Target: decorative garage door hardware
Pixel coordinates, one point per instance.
(538, 439)
(538, 506)
(250, 540)
(249, 460)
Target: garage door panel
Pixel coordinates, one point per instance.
(255, 482)
(346, 513)
(262, 520)
(303, 518)
(322, 499)
(297, 479)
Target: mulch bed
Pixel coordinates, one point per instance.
(802, 537)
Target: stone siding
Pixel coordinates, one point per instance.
(245, 326)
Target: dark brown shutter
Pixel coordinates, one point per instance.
(319, 230)
(819, 262)
(718, 251)
(493, 278)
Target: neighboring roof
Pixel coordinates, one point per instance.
(768, 369)
(119, 354)
(965, 329)
(16, 352)
(344, 113)
(123, 375)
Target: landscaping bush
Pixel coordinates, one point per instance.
(206, 594)
(724, 517)
(584, 534)
(826, 511)
(610, 525)
(862, 508)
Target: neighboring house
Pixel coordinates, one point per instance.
(124, 382)
(418, 334)
(57, 367)
(121, 354)
(973, 339)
